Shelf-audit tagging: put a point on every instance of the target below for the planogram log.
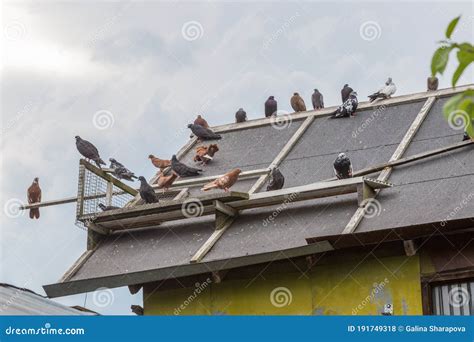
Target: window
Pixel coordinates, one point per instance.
(453, 299)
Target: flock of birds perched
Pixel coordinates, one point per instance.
(171, 170)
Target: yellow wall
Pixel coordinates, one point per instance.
(358, 287)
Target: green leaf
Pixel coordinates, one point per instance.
(451, 27)
(440, 60)
(465, 57)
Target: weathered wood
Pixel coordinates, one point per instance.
(284, 152)
(385, 174)
(211, 241)
(410, 247)
(76, 266)
(225, 209)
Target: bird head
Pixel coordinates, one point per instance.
(151, 156)
(190, 125)
(36, 180)
(353, 93)
(112, 160)
(241, 109)
(341, 155)
(78, 137)
(142, 179)
(101, 206)
(346, 85)
(236, 171)
(271, 97)
(316, 90)
(296, 94)
(173, 157)
(389, 81)
(199, 116)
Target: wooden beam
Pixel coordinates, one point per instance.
(211, 241)
(225, 209)
(76, 266)
(393, 101)
(410, 247)
(385, 174)
(284, 152)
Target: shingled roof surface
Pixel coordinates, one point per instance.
(425, 192)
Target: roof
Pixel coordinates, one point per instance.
(434, 186)
(20, 301)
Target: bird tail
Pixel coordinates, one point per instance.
(216, 136)
(34, 213)
(209, 186)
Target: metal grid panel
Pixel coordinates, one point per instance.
(454, 299)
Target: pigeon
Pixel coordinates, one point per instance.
(104, 207)
(277, 180)
(204, 154)
(34, 196)
(345, 92)
(88, 150)
(183, 170)
(271, 106)
(201, 122)
(159, 163)
(224, 182)
(164, 182)
(466, 137)
(240, 115)
(297, 103)
(203, 133)
(146, 191)
(432, 83)
(137, 310)
(342, 166)
(385, 92)
(348, 108)
(317, 99)
(120, 171)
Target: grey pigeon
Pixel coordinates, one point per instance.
(348, 108)
(89, 151)
(104, 207)
(343, 166)
(345, 92)
(277, 180)
(146, 191)
(432, 83)
(120, 171)
(271, 106)
(183, 170)
(240, 115)
(317, 99)
(203, 133)
(385, 92)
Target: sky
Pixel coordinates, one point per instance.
(129, 75)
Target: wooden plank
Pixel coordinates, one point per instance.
(76, 266)
(211, 241)
(284, 152)
(225, 209)
(402, 147)
(108, 178)
(397, 100)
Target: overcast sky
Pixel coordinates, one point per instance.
(129, 75)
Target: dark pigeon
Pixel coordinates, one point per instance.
(120, 171)
(146, 191)
(345, 92)
(104, 207)
(89, 151)
(317, 99)
(348, 108)
(432, 83)
(203, 133)
(277, 180)
(240, 115)
(343, 166)
(466, 137)
(271, 106)
(183, 170)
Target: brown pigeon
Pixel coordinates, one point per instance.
(297, 103)
(201, 122)
(204, 154)
(159, 163)
(224, 182)
(433, 83)
(34, 196)
(164, 182)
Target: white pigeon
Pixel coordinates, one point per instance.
(385, 92)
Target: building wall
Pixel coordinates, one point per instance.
(358, 287)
